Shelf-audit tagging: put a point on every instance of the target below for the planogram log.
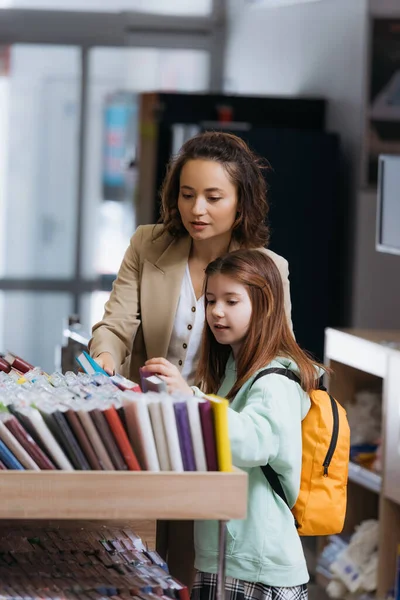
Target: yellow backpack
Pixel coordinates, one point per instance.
(320, 508)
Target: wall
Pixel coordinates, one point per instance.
(321, 49)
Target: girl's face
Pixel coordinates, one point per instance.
(207, 199)
(228, 310)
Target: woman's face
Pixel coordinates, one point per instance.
(207, 199)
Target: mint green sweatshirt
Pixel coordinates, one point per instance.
(264, 427)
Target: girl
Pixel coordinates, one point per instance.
(246, 331)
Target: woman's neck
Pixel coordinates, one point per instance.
(206, 251)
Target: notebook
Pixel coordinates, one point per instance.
(168, 413)
(140, 430)
(197, 434)
(93, 435)
(207, 428)
(185, 437)
(157, 424)
(19, 451)
(220, 410)
(121, 439)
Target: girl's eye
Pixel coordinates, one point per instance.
(210, 302)
(187, 196)
(232, 302)
(214, 198)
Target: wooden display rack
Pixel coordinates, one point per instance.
(363, 360)
(78, 497)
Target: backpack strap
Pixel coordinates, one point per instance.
(272, 476)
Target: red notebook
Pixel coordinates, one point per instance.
(121, 438)
(207, 428)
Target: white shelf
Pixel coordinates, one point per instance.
(121, 495)
(365, 478)
(366, 351)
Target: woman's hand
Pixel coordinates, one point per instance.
(106, 362)
(169, 373)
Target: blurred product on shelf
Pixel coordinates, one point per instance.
(351, 564)
(365, 418)
(98, 562)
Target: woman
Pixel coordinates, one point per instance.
(214, 200)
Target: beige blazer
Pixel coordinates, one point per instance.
(139, 316)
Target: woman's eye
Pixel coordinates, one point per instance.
(187, 196)
(214, 198)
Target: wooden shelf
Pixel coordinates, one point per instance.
(366, 478)
(124, 495)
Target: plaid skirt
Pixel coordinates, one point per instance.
(205, 588)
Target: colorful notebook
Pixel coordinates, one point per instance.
(15, 447)
(207, 428)
(185, 437)
(140, 430)
(157, 424)
(37, 424)
(89, 365)
(197, 435)
(220, 410)
(8, 458)
(82, 438)
(121, 439)
(93, 435)
(107, 437)
(171, 430)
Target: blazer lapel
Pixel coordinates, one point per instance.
(159, 294)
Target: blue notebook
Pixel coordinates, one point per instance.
(8, 458)
(89, 365)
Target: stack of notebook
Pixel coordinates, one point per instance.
(96, 422)
(55, 563)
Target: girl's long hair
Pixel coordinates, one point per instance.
(269, 335)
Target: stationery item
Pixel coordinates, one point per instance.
(121, 438)
(13, 444)
(185, 438)
(27, 442)
(196, 432)
(18, 363)
(153, 383)
(140, 430)
(125, 384)
(58, 425)
(98, 446)
(82, 438)
(36, 423)
(207, 428)
(8, 458)
(154, 406)
(89, 365)
(170, 426)
(4, 365)
(220, 410)
(104, 431)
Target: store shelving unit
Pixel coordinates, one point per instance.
(78, 497)
(360, 360)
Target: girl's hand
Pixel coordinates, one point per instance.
(106, 362)
(169, 373)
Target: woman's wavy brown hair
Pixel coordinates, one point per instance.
(269, 335)
(245, 170)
